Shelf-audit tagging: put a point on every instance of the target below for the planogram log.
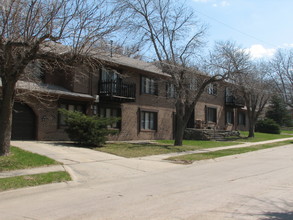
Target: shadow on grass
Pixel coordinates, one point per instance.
(163, 146)
(237, 138)
(130, 145)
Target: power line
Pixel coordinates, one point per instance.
(235, 29)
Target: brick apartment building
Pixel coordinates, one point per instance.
(136, 91)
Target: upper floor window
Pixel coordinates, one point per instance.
(228, 91)
(170, 90)
(212, 89)
(148, 86)
(109, 74)
(193, 84)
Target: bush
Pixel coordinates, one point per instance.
(87, 130)
(267, 126)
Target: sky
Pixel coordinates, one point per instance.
(260, 26)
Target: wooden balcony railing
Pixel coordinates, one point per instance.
(118, 90)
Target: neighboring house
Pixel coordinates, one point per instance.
(136, 91)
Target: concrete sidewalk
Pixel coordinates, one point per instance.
(165, 156)
(84, 164)
(70, 156)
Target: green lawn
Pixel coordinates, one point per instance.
(166, 146)
(189, 158)
(33, 180)
(287, 132)
(163, 147)
(21, 159)
(262, 136)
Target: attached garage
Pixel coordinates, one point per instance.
(23, 122)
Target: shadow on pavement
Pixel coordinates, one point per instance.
(278, 216)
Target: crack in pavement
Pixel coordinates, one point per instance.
(258, 174)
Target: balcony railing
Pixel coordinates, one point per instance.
(234, 101)
(117, 90)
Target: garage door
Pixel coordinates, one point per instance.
(23, 122)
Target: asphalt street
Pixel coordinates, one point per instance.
(256, 185)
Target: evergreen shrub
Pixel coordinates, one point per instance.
(267, 126)
(87, 130)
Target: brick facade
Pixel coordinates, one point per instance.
(138, 114)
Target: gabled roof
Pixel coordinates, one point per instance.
(50, 89)
(107, 57)
(131, 62)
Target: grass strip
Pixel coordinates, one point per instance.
(287, 132)
(261, 137)
(21, 159)
(189, 158)
(33, 180)
(130, 150)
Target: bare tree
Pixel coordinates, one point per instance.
(175, 36)
(121, 48)
(250, 78)
(33, 31)
(281, 70)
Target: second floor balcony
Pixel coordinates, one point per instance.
(234, 101)
(117, 90)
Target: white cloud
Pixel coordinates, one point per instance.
(221, 4)
(215, 3)
(259, 51)
(225, 3)
(288, 45)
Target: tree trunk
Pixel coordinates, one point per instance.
(251, 129)
(179, 130)
(6, 116)
(180, 123)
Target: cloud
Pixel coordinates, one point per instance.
(215, 3)
(288, 45)
(221, 4)
(259, 51)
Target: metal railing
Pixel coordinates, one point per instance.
(117, 88)
(233, 100)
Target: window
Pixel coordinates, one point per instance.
(229, 91)
(70, 107)
(212, 89)
(229, 117)
(170, 90)
(148, 86)
(108, 75)
(193, 84)
(148, 120)
(241, 118)
(111, 113)
(211, 114)
(109, 80)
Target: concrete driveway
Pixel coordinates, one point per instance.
(257, 185)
